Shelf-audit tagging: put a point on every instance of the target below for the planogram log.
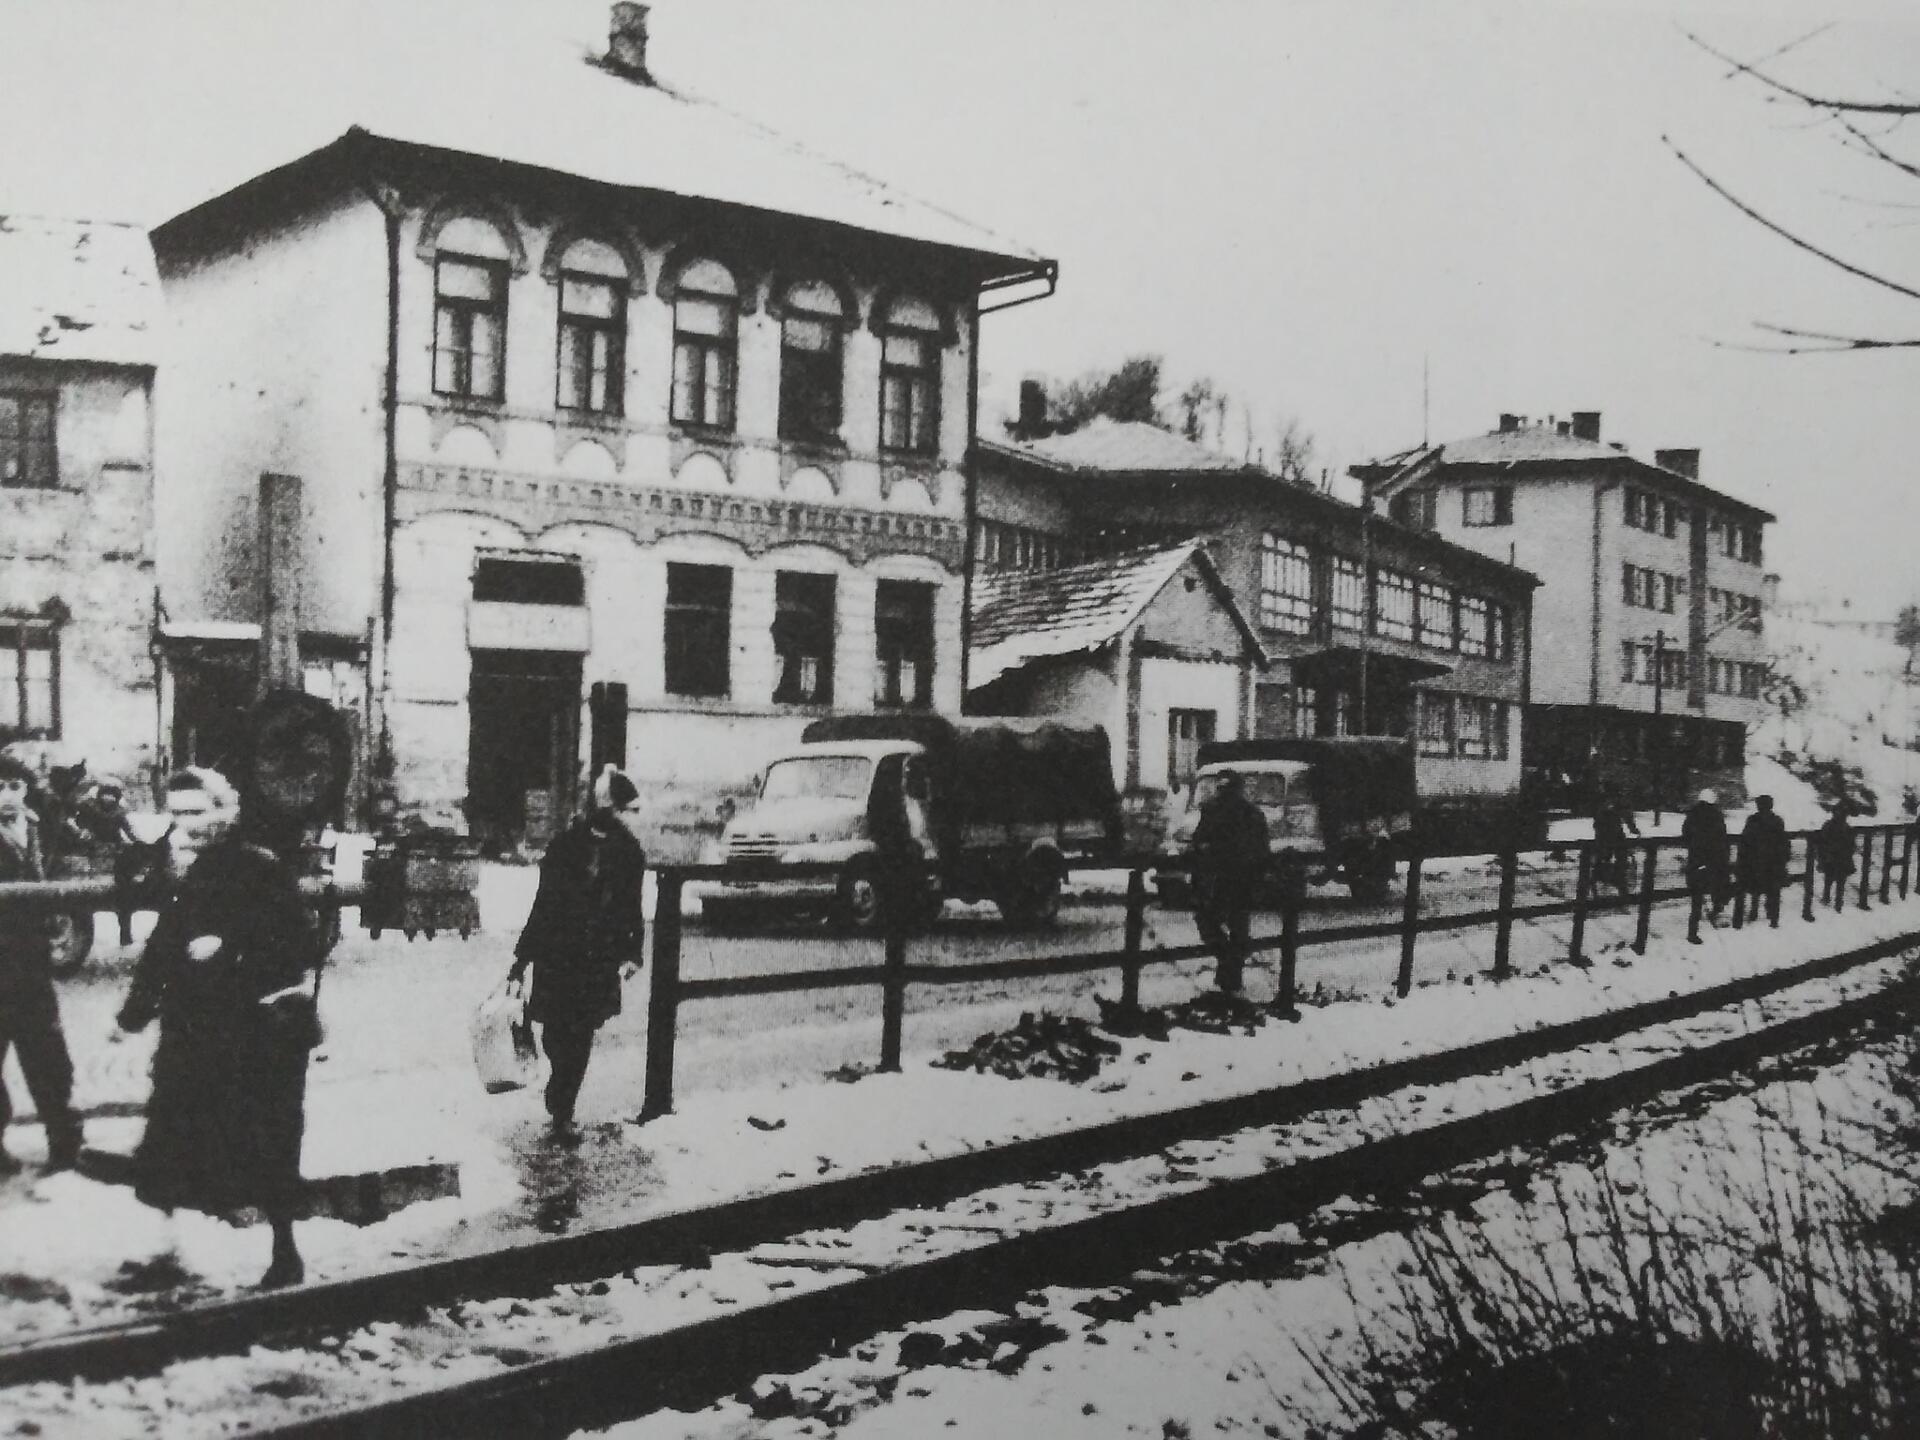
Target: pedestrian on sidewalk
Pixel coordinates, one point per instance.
(1704, 830)
(1611, 823)
(1833, 852)
(1230, 855)
(1764, 852)
(29, 1008)
(583, 936)
(229, 971)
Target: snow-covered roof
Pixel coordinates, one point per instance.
(549, 107)
(77, 290)
(1126, 445)
(1020, 616)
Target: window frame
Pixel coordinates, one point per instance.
(1475, 630)
(1282, 608)
(693, 380)
(463, 310)
(23, 442)
(1434, 705)
(20, 637)
(807, 378)
(919, 383)
(1183, 750)
(812, 632)
(1500, 503)
(613, 328)
(1394, 605)
(1417, 509)
(892, 642)
(1345, 574)
(697, 633)
(1448, 598)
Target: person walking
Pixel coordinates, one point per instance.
(1833, 851)
(29, 1008)
(1764, 853)
(1704, 831)
(1230, 853)
(229, 972)
(584, 934)
(1610, 826)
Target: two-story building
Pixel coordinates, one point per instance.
(1649, 659)
(612, 413)
(1368, 626)
(79, 330)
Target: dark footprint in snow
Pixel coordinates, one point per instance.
(162, 1280)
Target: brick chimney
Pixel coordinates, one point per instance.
(1586, 425)
(1032, 423)
(1681, 462)
(1509, 423)
(627, 42)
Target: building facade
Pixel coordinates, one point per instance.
(79, 327)
(1369, 626)
(600, 460)
(1649, 657)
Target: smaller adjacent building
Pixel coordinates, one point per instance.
(79, 311)
(1649, 660)
(1369, 626)
(1149, 644)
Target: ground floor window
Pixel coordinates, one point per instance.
(903, 643)
(1436, 724)
(698, 633)
(1187, 731)
(803, 638)
(29, 681)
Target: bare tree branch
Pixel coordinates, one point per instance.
(1783, 232)
(1818, 102)
(1828, 343)
(1876, 149)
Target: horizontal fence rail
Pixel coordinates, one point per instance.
(895, 975)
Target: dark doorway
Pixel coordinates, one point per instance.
(524, 745)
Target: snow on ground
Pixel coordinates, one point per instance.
(1862, 707)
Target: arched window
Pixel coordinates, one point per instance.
(591, 362)
(706, 321)
(811, 324)
(910, 377)
(471, 263)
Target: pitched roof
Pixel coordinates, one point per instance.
(1533, 445)
(548, 106)
(1126, 445)
(77, 290)
(1021, 616)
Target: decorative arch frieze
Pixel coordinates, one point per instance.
(831, 467)
(443, 420)
(683, 448)
(747, 278)
(893, 475)
(615, 237)
(444, 211)
(829, 273)
(944, 311)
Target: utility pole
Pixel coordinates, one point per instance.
(1366, 593)
(1659, 756)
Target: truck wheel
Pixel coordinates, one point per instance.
(70, 937)
(858, 900)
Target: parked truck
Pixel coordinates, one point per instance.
(1337, 809)
(988, 809)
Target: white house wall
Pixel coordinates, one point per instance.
(1167, 685)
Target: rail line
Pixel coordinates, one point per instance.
(698, 1361)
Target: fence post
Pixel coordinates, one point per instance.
(1866, 866)
(1886, 870)
(1409, 927)
(1136, 928)
(1645, 927)
(663, 1004)
(1736, 851)
(1906, 860)
(1283, 1005)
(1582, 894)
(1503, 931)
(1813, 864)
(893, 991)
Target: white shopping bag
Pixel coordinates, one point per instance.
(503, 1048)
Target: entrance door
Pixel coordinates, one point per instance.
(523, 746)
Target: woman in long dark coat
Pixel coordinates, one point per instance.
(228, 971)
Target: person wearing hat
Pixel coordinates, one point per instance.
(1763, 863)
(1833, 847)
(1705, 832)
(1230, 855)
(584, 935)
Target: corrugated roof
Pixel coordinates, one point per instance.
(77, 290)
(1020, 616)
(1128, 445)
(547, 106)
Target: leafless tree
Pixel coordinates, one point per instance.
(1866, 125)
(1293, 453)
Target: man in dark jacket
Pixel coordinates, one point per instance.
(1610, 826)
(1833, 847)
(1230, 854)
(1705, 832)
(584, 934)
(1763, 863)
(29, 1009)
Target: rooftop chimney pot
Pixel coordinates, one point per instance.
(1586, 425)
(1681, 462)
(627, 42)
(1509, 423)
(1032, 423)
(1565, 427)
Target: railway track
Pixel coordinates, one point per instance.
(582, 1330)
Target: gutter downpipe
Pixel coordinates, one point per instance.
(388, 204)
(1048, 274)
(1605, 488)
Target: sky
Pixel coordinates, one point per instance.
(1388, 220)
